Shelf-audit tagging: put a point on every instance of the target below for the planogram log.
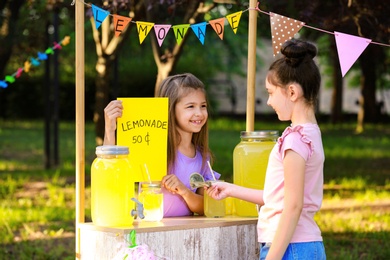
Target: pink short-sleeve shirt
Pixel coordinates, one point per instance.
(306, 141)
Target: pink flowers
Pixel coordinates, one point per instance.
(141, 252)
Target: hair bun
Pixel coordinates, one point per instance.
(296, 51)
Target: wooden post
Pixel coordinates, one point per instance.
(80, 122)
(251, 69)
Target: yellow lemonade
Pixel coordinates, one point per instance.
(152, 199)
(213, 208)
(229, 207)
(250, 161)
(112, 188)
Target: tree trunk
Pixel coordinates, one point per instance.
(8, 23)
(165, 63)
(106, 50)
(337, 94)
(102, 82)
(167, 59)
(368, 108)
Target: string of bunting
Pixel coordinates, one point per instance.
(282, 29)
(34, 62)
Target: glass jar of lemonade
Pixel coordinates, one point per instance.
(151, 196)
(250, 160)
(214, 208)
(112, 187)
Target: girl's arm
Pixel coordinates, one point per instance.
(294, 179)
(111, 112)
(174, 185)
(221, 190)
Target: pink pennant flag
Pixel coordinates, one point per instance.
(200, 31)
(282, 29)
(180, 31)
(120, 23)
(349, 48)
(19, 72)
(218, 26)
(57, 46)
(161, 31)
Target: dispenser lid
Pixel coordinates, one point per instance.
(260, 134)
(112, 150)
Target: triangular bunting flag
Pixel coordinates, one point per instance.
(34, 62)
(3, 84)
(120, 23)
(19, 72)
(200, 31)
(282, 29)
(49, 51)
(10, 79)
(218, 26)
(180, 31)
(65, 41)
(161, 31)
(42, 56)
(234, 20)
(143, 29)
(99, 15)
(57, 46)
(348, 54)
(27, 66)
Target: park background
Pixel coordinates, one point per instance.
(37, 111)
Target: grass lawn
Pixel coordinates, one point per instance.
(37, 205)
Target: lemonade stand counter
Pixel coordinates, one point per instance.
(193, 237)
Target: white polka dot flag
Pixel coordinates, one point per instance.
(282, 29)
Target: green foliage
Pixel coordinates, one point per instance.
(37, 205)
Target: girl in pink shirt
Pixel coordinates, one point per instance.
(293, 187)
(188, 149)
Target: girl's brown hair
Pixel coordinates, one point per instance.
(175, 87)
(297, 66)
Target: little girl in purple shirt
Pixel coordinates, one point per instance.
(188, 149)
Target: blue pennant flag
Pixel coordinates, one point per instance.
(3, 84)
(34, 62)
(99, 15)
(200, 31)
(42, 56)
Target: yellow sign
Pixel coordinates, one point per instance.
(143, 127)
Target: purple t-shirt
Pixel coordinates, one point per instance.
(174, 204)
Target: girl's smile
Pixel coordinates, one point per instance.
(191, 112)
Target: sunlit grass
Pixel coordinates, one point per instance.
(37, 205)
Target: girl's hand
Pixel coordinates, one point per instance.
(174, 185)
(219, 190)
(111, 112)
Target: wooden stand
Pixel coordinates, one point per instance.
(177, 238)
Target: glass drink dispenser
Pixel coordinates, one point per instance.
(112, 187)
(250, 160)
